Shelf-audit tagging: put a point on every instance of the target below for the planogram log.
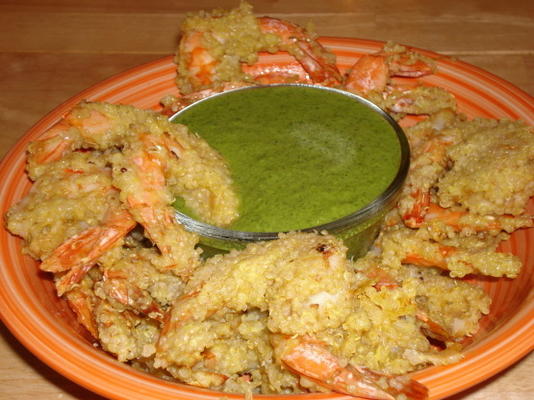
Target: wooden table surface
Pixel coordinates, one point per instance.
(51, 50)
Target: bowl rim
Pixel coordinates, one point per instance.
(355, 218)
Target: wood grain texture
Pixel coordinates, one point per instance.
(51, 50)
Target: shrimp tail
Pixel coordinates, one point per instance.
(398, 385)
(311, 359)
(79, 253)
(313, 57)
(90, 244)
(369, 73)
(51, 149)
(80, 301)
(415, 217)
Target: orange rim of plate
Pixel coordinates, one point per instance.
(506, 335)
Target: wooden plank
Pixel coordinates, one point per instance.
(456, 28)
(430, 8)
(183, 6)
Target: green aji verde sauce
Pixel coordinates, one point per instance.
(299, 156)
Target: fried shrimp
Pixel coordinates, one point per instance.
(299, 279)
(219, 51)
(100, 172)
(222, 47)
(151, 161)
(294, 283)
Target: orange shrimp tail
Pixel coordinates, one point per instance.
(86, 247)
(416, 216)
(432, 328)
(80, 303)
(382, 278)
(439, 260)
(311, 359)
(453, 219)
(276, 73)
(313, 57)
(54, 147)
(317, 66)
(369, 73)
(66, 282)
(405, 67)
(448, 217)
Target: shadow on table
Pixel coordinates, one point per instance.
(47, 373)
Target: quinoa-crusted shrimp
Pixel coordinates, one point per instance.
(314, 59)
(425, 287)
(121, 301)
(414, 308)
(459, 256)
(126, 335)
(259, 266)
(450, 185)
(213, 46)
(100, 171)
(298, 286)
(152, 162)
(373, 72)
(88, 217)
(375, 272)
(130, 280)
(428, 140)
(82, 300)
(78, 191)
(200, 170)
(139, 172)
(299, 280)
(492, 154)
(77, 255)
(372, 77)
(221, 48)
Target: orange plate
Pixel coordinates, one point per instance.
(45, 324)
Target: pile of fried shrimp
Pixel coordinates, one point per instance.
(296, 314)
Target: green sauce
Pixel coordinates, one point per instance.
(299, 156)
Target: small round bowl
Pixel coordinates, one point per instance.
(358, 229)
